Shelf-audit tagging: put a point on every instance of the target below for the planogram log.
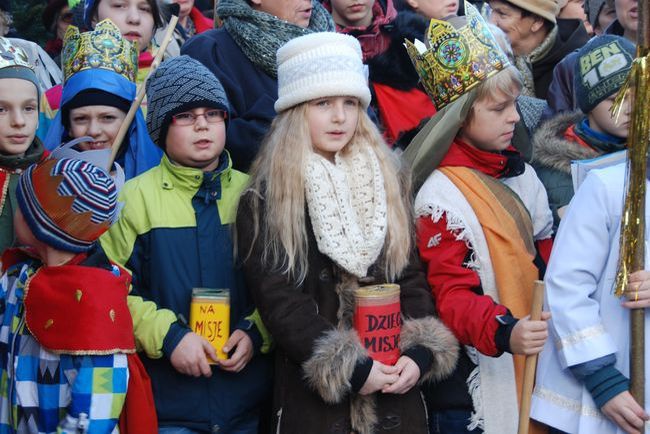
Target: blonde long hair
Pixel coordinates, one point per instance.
(277, 192)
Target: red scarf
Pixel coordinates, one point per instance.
(373, 40)
(462, 154)
(571, 136)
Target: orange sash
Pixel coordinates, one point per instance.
(508, 231)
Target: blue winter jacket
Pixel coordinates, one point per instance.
(251, 92)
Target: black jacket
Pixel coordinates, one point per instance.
(317, 350)
(571, 36)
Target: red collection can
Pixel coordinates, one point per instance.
(378, 321)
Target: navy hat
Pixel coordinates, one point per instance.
(601, 68)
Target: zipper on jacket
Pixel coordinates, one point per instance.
(11, 368)
(426, 410)
(279, 414)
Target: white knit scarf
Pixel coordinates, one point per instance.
(346, 201)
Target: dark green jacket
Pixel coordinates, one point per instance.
(11, 166)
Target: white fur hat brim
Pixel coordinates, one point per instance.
(320, 65)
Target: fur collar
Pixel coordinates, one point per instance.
(550, 147)
(394, 67)
(337, 352)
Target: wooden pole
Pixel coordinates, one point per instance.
(531, 363)
(124, 128)
(637, 316)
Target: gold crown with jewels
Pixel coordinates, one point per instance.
(11, 55)
(103, 48)
(456, 60)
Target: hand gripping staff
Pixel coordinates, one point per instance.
(632, 248)
(531, 362)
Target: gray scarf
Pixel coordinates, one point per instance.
(259, 35)
(524, 63)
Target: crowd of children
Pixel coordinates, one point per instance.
(370, 161)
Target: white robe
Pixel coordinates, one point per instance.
(588, 321)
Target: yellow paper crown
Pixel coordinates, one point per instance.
(103, 48)
(12, 56)
(456, 60)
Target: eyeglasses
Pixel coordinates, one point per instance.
(188, 118)
(67, 17)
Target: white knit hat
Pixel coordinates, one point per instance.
(320, 65)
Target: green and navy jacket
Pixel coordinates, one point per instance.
(174, 234)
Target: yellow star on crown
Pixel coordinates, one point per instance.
(103, 48)
(456, 60)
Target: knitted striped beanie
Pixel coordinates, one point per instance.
(178, 85)
(67, 203)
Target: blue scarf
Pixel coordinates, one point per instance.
(141, 153)
(88, 7)
(602, 142)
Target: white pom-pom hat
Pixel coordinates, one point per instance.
(320, 65)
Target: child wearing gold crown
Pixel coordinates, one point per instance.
(66, 334)
(19, 148)
(483, 224)
(327, 212)
(139, 21)
(100, 69)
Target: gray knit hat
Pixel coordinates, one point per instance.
(180, 84)
(601, 68)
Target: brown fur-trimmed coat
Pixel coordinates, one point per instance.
(317, 349)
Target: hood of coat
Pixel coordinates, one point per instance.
(551, 149)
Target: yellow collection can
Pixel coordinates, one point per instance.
(210, 317)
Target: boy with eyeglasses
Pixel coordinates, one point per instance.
(174, 235)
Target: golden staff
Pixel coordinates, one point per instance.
(121, 133)
(632, 248)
